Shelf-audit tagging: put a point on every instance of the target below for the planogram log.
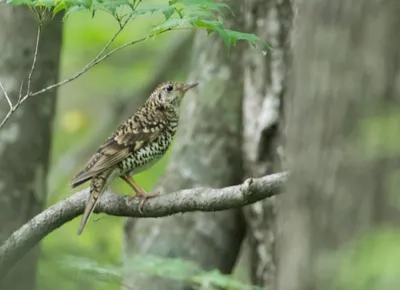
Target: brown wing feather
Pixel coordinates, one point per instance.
(129, 137)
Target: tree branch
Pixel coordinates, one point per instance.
(189, 200)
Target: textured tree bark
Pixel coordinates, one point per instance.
(265, 76)
(207, 152)
(342, 139)
(25, 141)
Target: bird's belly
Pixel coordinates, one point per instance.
(144, 166)
(145, 157)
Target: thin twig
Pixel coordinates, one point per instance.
(92, 64)
(6, 96)
(125, 45)
(110, 41)
(12, 108)
(6, 117)
(28, 90)
(87, 67)
(20, 92)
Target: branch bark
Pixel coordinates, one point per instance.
(189, 200)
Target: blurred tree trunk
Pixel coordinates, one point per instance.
(343, 139)
(265, 78)
(25, 141)
(207, 152)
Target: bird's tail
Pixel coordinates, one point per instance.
(97, 187)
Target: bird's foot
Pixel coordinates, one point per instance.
(143, 196)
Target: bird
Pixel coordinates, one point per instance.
(136, 145)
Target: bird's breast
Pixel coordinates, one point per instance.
(148, 155)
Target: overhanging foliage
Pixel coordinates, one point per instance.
(203, 14)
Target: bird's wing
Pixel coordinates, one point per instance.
(129, 137)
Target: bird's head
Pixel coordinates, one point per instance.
(171, 93)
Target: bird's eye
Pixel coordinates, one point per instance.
(169, 88)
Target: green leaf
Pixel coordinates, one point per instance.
(59, 7)
(202, 3)
(180, 12)
(22, 2)
(225, 37)
(252, 39)
(172, 23)
(168, 11)
(44, 3)
(202, 14)
(202, 8)
(109, 6)
(209, 31)
(208, 24)
(73, 9)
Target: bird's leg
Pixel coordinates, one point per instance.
(139, 190)
(132, 183)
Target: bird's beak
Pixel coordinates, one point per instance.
(188, 86)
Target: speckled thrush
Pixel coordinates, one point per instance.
(135, 146)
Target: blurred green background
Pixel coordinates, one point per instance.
(88, 111)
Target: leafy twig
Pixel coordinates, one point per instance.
(28, 94)
(99, 58)
(229, 37)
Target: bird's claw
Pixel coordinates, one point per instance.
(143, 197)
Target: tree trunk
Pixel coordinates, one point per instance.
(25, 141)
(265, 78)
(343, 136)
(207, 152)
